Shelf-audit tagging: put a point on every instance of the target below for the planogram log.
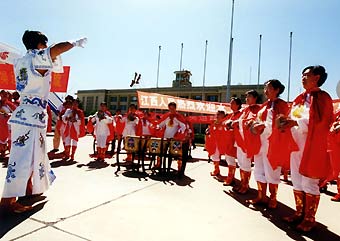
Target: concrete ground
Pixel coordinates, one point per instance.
(88, 201)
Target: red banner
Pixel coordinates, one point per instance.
(7, 80)
(59, 80)
(158, 101)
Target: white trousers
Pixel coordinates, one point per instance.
(300, 182)
(70, 142)
(101, 141)
(243, 161)
(263, 171)
(216, 157)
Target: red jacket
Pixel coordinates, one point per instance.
(334, 150)
(249, 113)
(278, 150)
(315, 160)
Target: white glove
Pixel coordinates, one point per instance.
(80, 43)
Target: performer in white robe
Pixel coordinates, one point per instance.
(29, 170)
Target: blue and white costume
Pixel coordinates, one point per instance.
(28, 157)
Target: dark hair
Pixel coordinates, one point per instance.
(31, 39)
(133, 106)
(221, 112)
(103, 103)
(172, 104)
(76, 101)
(69, 98)
(238, 101)
(253, 93)
(318, 70)
(276, 85)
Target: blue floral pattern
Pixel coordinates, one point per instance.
(35, 101)
(10, 172)
(22, 79)
(40, 116)
(41, 170)
(20, 141)
(19, 114)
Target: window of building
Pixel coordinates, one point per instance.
(197, 97)
(123, 107)
(89, 103)
(123, 99)
(113, 107)
(133, 98)
(213, 98)
(96, 103)
(113, 99)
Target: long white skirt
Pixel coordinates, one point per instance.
(28, 158)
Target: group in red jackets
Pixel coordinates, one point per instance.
(303, 137)
(137, 123)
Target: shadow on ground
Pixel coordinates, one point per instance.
(319, 233)
(95, 164)
(9, 221)
(62, 162)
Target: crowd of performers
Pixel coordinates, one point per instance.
(276, 136)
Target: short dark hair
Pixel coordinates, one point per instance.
(31, 39)
(172, 104)
(221, 112)
(253, 93)
(103, 103)
(318, 70)
(133, 106)
(276, 85)
(238, 101)
(69, 98)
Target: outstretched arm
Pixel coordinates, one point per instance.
(63, 47)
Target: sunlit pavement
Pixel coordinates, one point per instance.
(88, 201)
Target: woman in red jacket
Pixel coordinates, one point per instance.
(310, 119)
(269, 158)
(243, 145)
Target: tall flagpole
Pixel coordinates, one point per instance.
(259, 64)
(230, 52)
(159, 59)
(290, 62)
(180, 62)
(205, 67)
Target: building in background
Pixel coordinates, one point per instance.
(181, 87)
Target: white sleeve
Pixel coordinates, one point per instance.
(163, 123)
(182, 126)
(65, 115)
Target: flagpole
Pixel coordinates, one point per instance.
(230, 52)
(205, 66)
(290, 62)
(159, 59)
(180, 62)
(259, 64)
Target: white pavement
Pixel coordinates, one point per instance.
(90, 202)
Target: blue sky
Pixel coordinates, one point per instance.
(124, 36)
